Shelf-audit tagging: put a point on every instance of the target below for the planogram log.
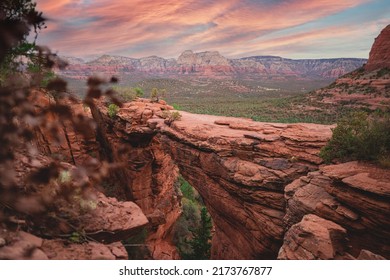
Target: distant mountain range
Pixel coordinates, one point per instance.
(214, 65)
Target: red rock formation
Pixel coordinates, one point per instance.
(213, 64)
(314, 238)
(241, 168)
(353, 195)
(367, 87)
(380, 51)
(65, 142)
(238, 166)
(148, 174)
(24, 246)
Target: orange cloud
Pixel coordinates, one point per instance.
(166, 27)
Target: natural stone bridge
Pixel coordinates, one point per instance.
(242, 169)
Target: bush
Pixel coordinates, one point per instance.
(127, 94)
(186, 189)
(154, 95)
(359, 136)
(171, 116)
(113, 110)
(139, 92)
(382, 72)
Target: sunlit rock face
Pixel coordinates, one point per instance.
(263, 184)
(238, 166)
(380, 51)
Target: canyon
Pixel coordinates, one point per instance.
(264, 185)
(261, 184)
(268, 191)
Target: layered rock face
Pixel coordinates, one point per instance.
(213, 64)
(351, 200)
(380, 51)
(147, 174)
(367, 87)
(65, 143)
(238, 166)
(261, 184)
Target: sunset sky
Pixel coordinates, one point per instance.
(235, 28)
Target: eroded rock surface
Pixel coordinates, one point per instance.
(238, 166)
(355, 196)
(21, 245)
(380, 51)
(314, 238)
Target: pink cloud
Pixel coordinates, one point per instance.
(166, 27)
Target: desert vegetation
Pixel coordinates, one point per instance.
(359, 136)
(192, 232)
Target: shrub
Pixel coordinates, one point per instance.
(186, 189)
(171, 116)
(113, 110)
(382, 72)
(154, 96)
(139, 92)
(190, 218)
(176, 106)
(359, 136)
(126, 94)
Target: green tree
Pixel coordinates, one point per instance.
(200, 242)
(17, 17)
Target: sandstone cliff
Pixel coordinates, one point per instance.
(367, 87)
(263, 183)
(380, 51)
(242, 170)
(213, 64)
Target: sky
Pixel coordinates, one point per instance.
(235, 28)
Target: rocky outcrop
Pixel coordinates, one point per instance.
(260, 183)
(314, 238)
(380, 51)
(146, 174)
(352, 197)
(213, 64)
(25, 246)
(238, 166)
(366, 87)
(59, 138)
(263, 184)
(89, 228)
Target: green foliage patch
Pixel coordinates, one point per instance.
(360, 136)
(192, 231)
(113, 110)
